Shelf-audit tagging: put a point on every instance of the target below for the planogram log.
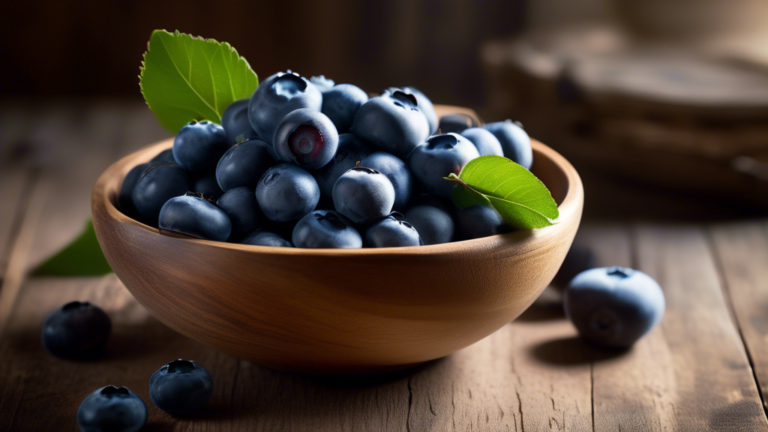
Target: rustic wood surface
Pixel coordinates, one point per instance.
(704, 368)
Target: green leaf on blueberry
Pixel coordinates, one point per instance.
(186, 78)
(521, 199)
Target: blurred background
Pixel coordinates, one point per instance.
(662, 105)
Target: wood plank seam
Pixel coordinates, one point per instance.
(16, 271)
(727, 294)
(30, 178)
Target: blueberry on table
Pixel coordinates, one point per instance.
(244, 164)
(265, 238)
(397, 173)
(350, 151)
(181, 387)
(125, 199)
(243, 210)
(456, 123)
(112, 409)
(322, 83)
(478, 221)
(515, 142)
(440, 156)
(426, 107)
(341, 103)
(485, 142)
(307, 138)
(76, 330)
(206, 184)
(287, 192)
(235, 122)
(277, 96)
(326, 229)
(392, 123)
(433, 223)
(200, 145)
(159, 183)
(163, 156)
(363, 195)
(194, 216)
(614, 306)
(392, 231)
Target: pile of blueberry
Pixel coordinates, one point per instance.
(79, 330)
(310, 164)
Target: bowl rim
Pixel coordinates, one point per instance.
(570, 209)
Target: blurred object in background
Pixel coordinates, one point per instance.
(670, 92)
(66, 48)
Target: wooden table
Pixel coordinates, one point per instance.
(704, 368)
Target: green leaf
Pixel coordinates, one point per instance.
(185, 78)
(82, 257)
(519, 197)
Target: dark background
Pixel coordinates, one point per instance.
(50, 49)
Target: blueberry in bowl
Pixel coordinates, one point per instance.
(193, 215)
(277, 96)
(392, 122)
(439, 156)
(306, 138)
(363, 195)
(337, 310)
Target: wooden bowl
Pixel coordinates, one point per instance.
(336, 310)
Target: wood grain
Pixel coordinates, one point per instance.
(742, 254)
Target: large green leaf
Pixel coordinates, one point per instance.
(185, 78)
(521, 198)
(82, 257)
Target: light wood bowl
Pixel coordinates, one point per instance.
(336, 310)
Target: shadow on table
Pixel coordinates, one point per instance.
(572, 351)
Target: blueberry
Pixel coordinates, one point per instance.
(322, 83)
(196, 217)
(433, 223)
(307, 138)
(235, 122)
(159, 183)
(181, 387)
(363, 195)
(112, 409)
(426, 107)
(277, 96)
(478, 221)
(125, 199)
(341, 103)
(287, 192)
(351, 151)
(614, 306)
(392, 122)
(397, 173)
(244, 164)
(76, 330)
(326, 229)
(392, 231)
(440, 156)
(206, 184)
(577, 260)
(243, 210)
(265, 238)
(200, 145)
(485, 142)
(514, 141)
(163, 156)
(456, 123)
